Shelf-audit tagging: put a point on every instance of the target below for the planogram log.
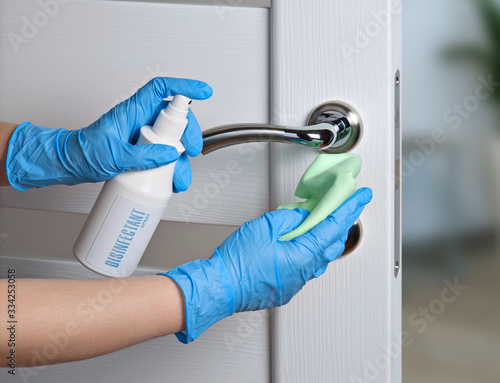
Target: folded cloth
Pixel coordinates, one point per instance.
(325, 185)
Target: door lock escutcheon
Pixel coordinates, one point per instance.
(353, 238)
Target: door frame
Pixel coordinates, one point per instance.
(346, 325)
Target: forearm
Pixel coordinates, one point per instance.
(6, 130)
(86, 318)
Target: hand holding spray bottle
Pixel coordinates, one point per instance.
(130, 205)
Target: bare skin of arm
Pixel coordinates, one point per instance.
(63, 320)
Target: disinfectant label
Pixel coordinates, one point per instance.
(124, 236)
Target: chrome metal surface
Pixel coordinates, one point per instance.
(348, 138)
(397, 173)
(320, 136)
(333, 127)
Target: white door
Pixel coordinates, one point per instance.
(64, 63)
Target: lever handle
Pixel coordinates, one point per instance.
(333, 127)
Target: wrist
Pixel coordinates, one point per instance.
(208, 294)
(168, 300)
(13, 168)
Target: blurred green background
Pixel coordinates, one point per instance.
(451, 190)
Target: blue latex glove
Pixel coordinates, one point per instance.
(252, 270)
(39, 156)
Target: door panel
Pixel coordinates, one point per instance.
(90, 55)
(41, 234)
(349, 320)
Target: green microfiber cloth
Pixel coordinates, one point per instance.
(325, 185)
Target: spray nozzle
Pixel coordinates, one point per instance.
(172, 120)
(180, 103)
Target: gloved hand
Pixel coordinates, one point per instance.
(252, 270)
(39, 156)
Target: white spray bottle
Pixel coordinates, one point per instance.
(130, 205)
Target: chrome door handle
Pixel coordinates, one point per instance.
(333, 127)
